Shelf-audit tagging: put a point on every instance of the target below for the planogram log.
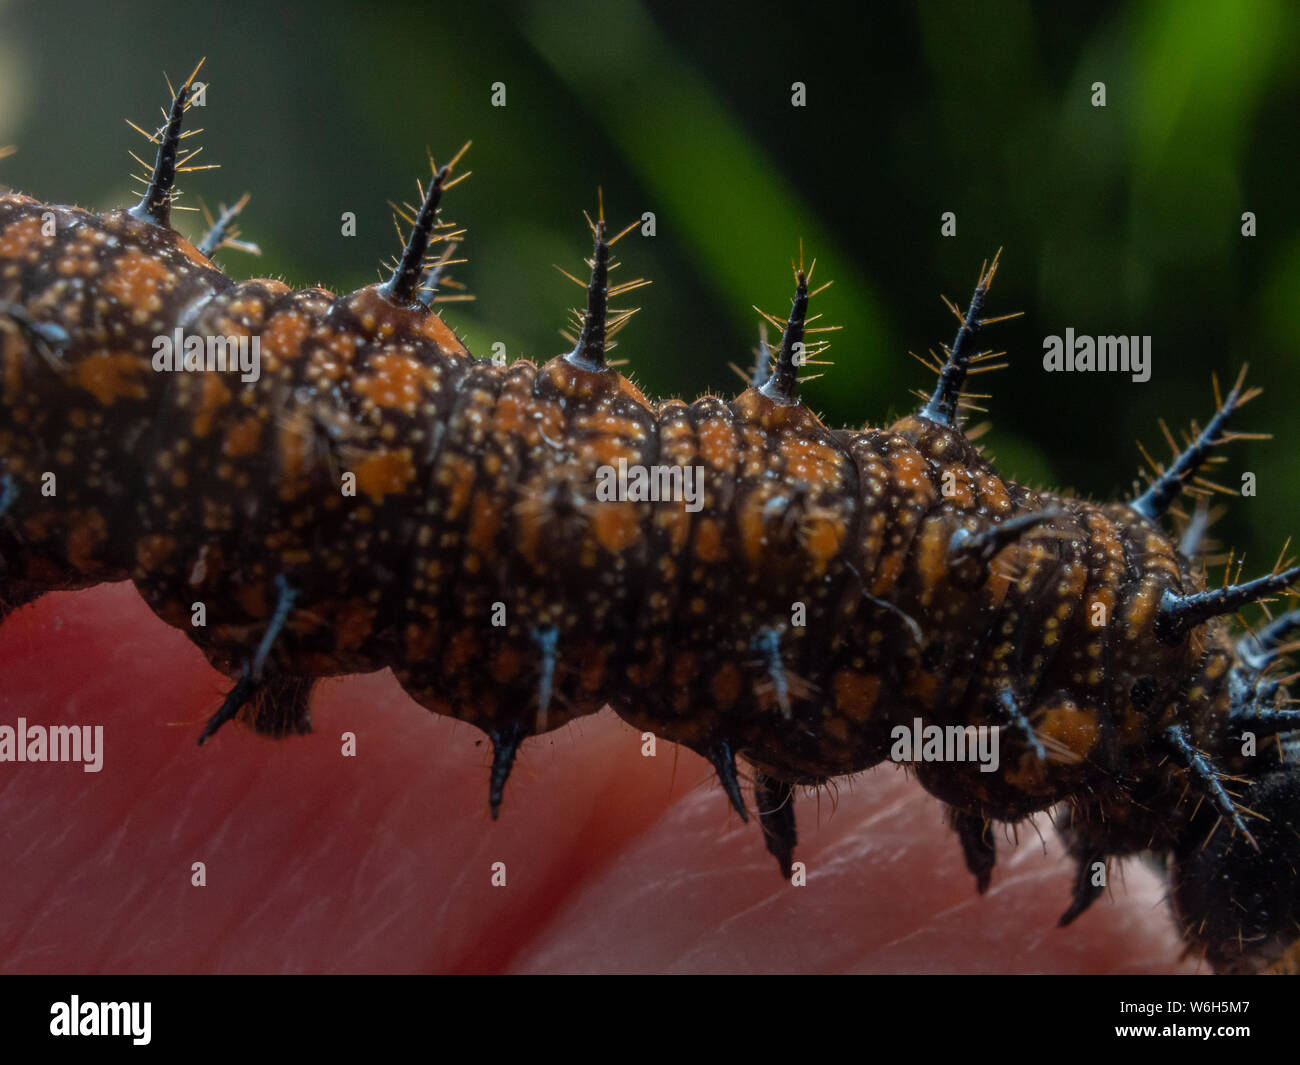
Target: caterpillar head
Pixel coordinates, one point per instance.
(1236, 900)
(1237, 903)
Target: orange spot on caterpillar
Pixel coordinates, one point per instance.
(215, 395)
(393, 381)
(22, 240)
(153, 550)
(458, 476)
(252, 597)
(617, 525)
(433, 327)
(823, 538)
(354, 622)
(484, 525)
(388, 473)
(708, 541)
(88, 532)
(112, 376)
(506, 665)
(726, 684)
(282, 338)
(14, 349)
(192, 253)
(138, 282)
(718, 444)
(243, 438)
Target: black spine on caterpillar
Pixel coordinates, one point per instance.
(523, 544)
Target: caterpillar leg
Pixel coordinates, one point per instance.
(507, 738)
(975, 833)
(774, 800)
(12, 597)
(275, 706)
(724, 761)
(505, 745)
(279, 704)
(1237, 904)
(1088, 885)
(14, 592)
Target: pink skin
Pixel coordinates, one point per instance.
(615, 862)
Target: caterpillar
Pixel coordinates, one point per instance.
(368, 494)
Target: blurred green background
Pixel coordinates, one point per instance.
(1116, 220)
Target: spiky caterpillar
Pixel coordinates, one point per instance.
(928, 586)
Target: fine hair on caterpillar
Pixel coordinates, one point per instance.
(523, 545)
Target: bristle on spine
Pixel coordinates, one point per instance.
(597, 323)
(1155, 502)
(160, 189)
(944, 403)
(781, 383)
(222, 232)
(1178, 613)
(404, 284)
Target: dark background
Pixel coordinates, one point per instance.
(1124, 219)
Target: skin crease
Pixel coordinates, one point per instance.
(381, 863)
